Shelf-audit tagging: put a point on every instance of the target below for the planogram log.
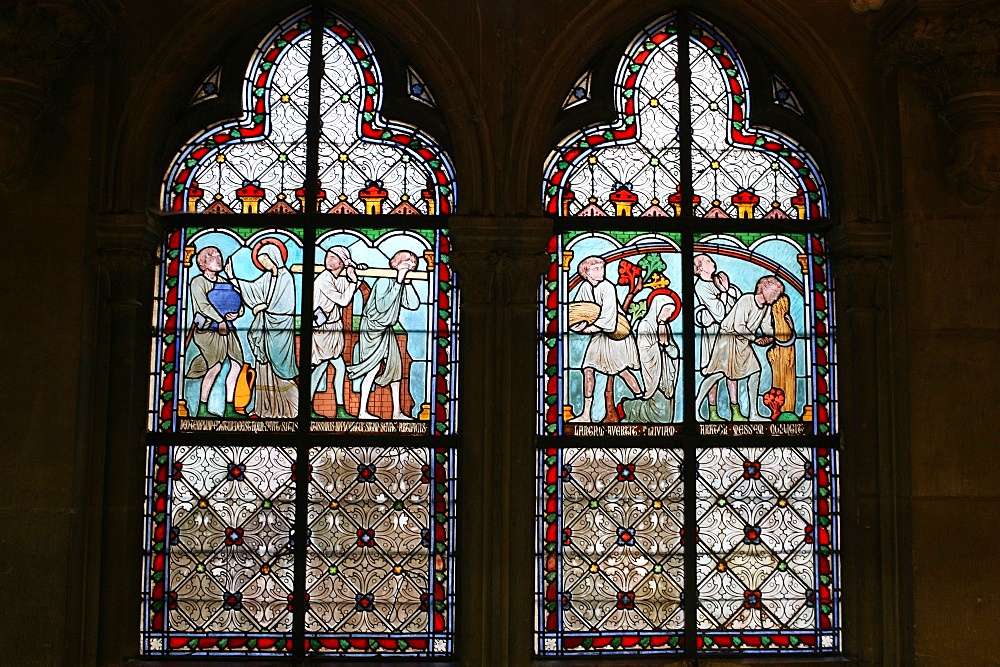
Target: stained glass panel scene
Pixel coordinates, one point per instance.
(385, 338)
(611, 566)
(379, 567)
(759, 361)
(767, 574)
(765, 327)
(229, 330)
(219, 567)
(226, 331)
(610, 351)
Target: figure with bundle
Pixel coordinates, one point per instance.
(606, 352)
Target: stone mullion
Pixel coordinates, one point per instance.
(498, 272)
(868, 520)
(124, 257)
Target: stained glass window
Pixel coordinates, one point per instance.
(785, 96)
(687, 372)
(302, 416)
(580, 92)
(418, 90)
(209, 88)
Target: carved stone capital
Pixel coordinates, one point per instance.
(861, 261)
(975, 163)
(496, 266)
(39, 40)
(126, 248)
(862, 6)
(860, 284)
(860, 238)
(120, 271)
(956, 49)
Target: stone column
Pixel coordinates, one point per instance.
(112, 512)
(947, 58)
(874, 544)
(499, 273)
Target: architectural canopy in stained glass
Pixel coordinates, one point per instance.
(258, 163)
(633, 166)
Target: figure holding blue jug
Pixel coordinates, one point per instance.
(216, 305)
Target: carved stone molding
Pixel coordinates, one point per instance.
(21, 104)
(40, 39)
(493, 263)
(862, 6)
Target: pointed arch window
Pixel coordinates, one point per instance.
(302, 412)
(687, 461)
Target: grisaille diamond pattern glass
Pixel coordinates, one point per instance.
(758, 570)
(367, 515)
(375, 165)
(255, 163)
(738, 172)
(227, 515)
(614, 558)
(378, 560)
(639, 154)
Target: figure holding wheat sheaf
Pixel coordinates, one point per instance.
(610, 350)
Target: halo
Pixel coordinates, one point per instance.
(672, 294)
(268, 241)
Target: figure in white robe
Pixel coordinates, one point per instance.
(377, 344)
(332, 292)
(733, 358)
(659, 358)
(271, 335)
(604, 353)
(716, 297)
